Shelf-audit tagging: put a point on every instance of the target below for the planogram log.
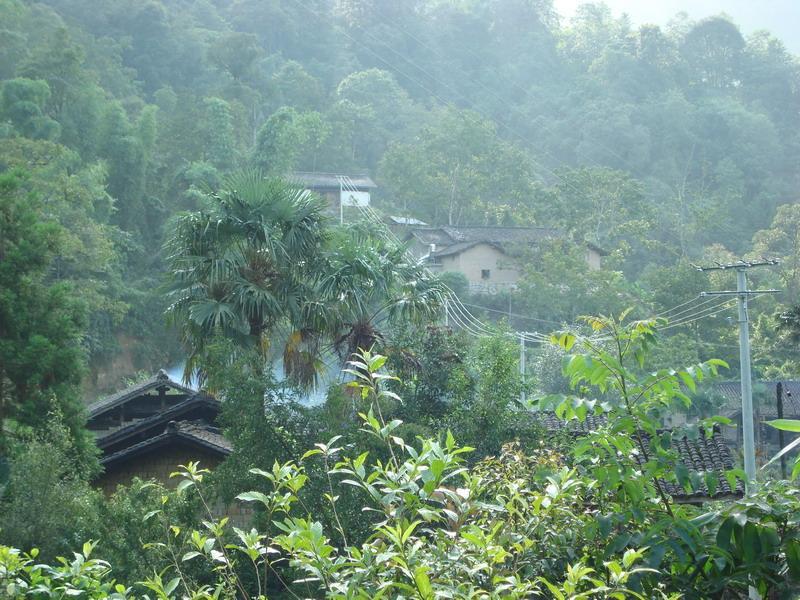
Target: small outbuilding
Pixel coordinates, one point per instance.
(152, 427)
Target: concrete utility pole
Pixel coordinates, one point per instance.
(781, 442)
(341, 203)
(522, 368)
(742, 294)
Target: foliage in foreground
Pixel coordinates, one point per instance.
(519, 525)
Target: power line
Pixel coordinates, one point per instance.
(678, 316)
(682, 304)
(460, 314)
(745, 371)
(703, 314)
(515, 315)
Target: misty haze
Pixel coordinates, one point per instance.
(399, 299)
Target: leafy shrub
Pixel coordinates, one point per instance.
(48, 502)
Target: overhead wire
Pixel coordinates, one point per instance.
(369, 210)
(453, 306)
(510, 314)
(709, 312)
(465, 314)
(680, 315)
(720, 302)
(681, 305)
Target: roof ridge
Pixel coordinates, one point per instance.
(174, 410)
(159, 379)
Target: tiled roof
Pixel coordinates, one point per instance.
(159, 380)
(430, 235)
(200, 431)
(703, 455)
(501, 235)
(169, 414)
(700, 455)
(196, 432)
(592, 422)
(445, 236)
(330, 181)
(732, 392)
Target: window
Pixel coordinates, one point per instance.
(485, 273)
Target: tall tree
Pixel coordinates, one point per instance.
(262, 268)
(41, 321)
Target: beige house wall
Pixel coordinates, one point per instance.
(503, 272)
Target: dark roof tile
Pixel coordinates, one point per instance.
(700, 455)
(169, 414)
(197, 432)
(160, 379)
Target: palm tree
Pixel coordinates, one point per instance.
(370, 285)
(263, 265)
(244, 266)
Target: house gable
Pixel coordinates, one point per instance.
(139, 401)
(150, 428)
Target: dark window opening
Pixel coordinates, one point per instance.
(485, 273)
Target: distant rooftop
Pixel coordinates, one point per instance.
(405, 221)
(330, 181)
(732, 391)
(701, 455)
(452, 240)
(160, 380)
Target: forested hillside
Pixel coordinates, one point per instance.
(560, 442)
(665, 145)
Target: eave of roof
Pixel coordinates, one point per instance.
(161, 379)
(199, 399)
(449, 237)
(192, 433)
(461, 247)
(330, 181)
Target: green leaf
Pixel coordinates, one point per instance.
(788, 448)
(183, 485)
(792, 551)
(786, 424)
(172, 585)
(309, 453)
(254, 497)
(724, 534)
(190, 555)
(423, 582)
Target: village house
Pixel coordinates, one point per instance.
(150, 428)
(338, 190)
(487, 256)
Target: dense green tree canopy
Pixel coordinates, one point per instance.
(664, 144)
